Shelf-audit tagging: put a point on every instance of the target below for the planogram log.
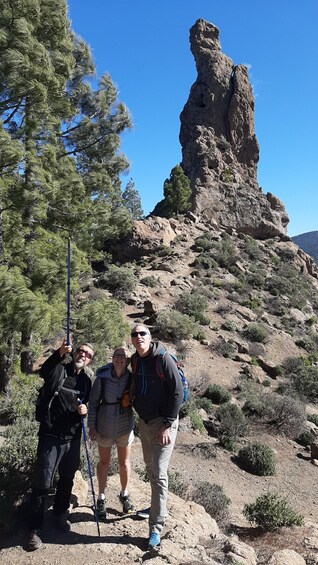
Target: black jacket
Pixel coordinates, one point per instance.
(64, 421)
(154, 395)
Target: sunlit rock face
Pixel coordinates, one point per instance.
(220, 151)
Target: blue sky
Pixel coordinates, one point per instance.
(144, 46)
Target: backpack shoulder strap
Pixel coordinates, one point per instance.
(133, 363)
(60, 386)
(159, 362)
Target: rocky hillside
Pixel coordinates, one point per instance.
(236, 299)
(308, 242)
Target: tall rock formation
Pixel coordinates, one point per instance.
(220, 151)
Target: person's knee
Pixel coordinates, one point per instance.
(124, 465)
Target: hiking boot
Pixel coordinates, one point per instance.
(154, 541)
(101, 509)
(62, 522)
(128, 507)
(34, 541)
(144, 514)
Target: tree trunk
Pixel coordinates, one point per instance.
(26, 357)
(6, 360)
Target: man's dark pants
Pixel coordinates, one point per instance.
(53, 453)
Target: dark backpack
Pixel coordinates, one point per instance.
(44, 400)
(160, 372)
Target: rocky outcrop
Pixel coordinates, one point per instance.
(220, 151)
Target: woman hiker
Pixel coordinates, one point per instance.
(110, 422)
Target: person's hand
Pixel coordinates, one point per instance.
(64, 348)
(163, 436)
(82, 409)
(92, 434)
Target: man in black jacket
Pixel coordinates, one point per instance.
(60, 435)
(158, 394)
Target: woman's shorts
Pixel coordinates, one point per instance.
(122, 441)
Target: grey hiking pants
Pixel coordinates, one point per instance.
(156, 458)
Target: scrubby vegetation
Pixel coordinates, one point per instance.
(213, 499)
(271, 512)
(233, 425)
(258, 459)
(218, 394)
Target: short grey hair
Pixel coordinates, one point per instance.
(141, 326)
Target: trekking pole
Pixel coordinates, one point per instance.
(90, 472)
(68, 293)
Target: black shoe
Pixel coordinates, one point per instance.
(62, 522)
(101, 509)
(34, 541)
(128, 507)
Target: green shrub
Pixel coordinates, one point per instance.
(163, 251)
(304, 381)
(313, 418)
(306, 438)
(187, 408)
(196, 421)
(307, 343)
(213, 499)
(251, 248)
(254, 406)
(253, 303)
(177, 484)
(206, 450)
(17, 455)
(121, 281)
(171, 324)
(217, 394)
(288, 281)
(228, 325)
(258, 458)
(225, 253)
(256, 280)
(194, 304)
(232, 424)
(225, 347)
(203, 243)
(142, 473)
(256, 332)
(286, 415)
(150, 281)
(101, 322)
(272, 512)
(205, 262)
(204, 403)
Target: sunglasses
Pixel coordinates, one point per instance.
(136, 334)
(87, 354)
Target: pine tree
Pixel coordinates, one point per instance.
(59, 164)
(132, 201)
(177, 194)
(177, 191)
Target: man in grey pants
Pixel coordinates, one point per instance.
(158, 394)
